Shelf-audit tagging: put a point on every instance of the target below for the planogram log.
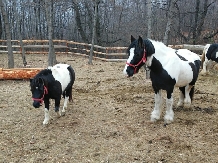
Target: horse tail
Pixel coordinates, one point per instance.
(72, 79)
(191, 93)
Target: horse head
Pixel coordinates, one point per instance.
(138, 52)
(39, 90)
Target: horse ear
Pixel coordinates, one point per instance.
(140, 42)
(132, 38)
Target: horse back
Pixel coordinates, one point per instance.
(61, 73)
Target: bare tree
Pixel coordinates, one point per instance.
(96, 2)
(149, 18)
(8, 36)
(49, 11)
(19, 20)
(169, 20)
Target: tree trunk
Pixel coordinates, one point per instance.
(18, 73)
(93, 31)
(78, 21)
(51, 54)
(8, 36)
(1, 27)
(149, 19)
(169, 21)
(18, 18)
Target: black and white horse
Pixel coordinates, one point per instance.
(52, 83)
(168, 68)
(210, 53)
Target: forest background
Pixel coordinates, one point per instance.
(170, 21)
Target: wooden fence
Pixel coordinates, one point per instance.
(76, 48)
(66, 47)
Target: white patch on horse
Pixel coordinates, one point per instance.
(216, 54)
(129, 60)
(61, 74)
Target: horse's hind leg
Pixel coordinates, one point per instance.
(181, 97)
(155, 115)
(66, 98)
(188, 95)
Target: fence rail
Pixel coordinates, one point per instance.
(66, 47)
(77, 48)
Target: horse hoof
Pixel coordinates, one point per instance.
(187, 106)
(180, 104)
(154, 119)
(45, 122)
(63, 113)
(59, 114)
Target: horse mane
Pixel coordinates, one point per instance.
(161, 47)
(44, 72)
(148, 44)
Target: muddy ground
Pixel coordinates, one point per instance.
(108, 120)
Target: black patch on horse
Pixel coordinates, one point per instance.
(181, 57)
(211, 52)
(160, 77)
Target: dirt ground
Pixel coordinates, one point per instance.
(108, 120)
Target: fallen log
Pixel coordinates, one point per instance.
(18, 73)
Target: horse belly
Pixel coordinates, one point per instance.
(184, 78)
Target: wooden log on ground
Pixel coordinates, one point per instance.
(188, 46)
(18, 73)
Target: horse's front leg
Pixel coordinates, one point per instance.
(168, 118)
(57, 106)
(46, 111)
(204, 68)
(156, 113)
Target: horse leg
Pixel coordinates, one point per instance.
(155, 115)
(181, 97)
(168, 118)
(181, 100)
(187, 100)
(46, 111)
(66, 98)
(57, 106)
(204, 68)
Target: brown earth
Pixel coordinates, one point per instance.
(108, 120)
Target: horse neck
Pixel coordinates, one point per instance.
(161, 51)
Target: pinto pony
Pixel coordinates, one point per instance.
(168, 68)
(52, 83)
(210, 52)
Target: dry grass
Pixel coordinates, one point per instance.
(108, 120)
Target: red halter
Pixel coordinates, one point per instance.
(142, 60)
(41, 99)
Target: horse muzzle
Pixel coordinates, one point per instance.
(36, 104)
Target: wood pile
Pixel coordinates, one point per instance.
(18, 73)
